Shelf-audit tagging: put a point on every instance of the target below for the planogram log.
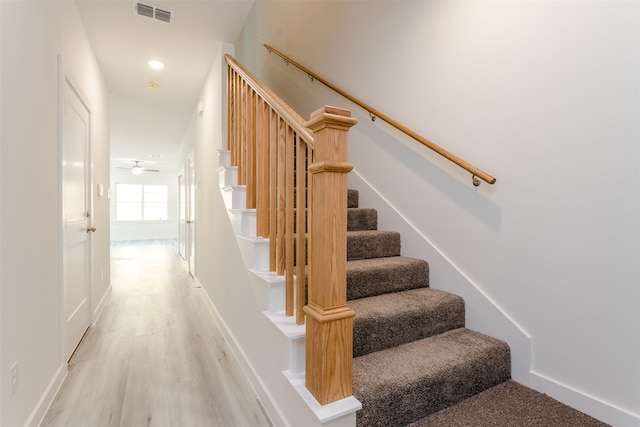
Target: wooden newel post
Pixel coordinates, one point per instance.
(329, 340)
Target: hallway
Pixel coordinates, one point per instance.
(155, 356)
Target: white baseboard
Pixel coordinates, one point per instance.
(38, 413)
(590, 405)
(100, 307)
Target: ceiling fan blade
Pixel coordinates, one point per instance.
(150, 170)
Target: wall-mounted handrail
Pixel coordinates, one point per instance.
(476, 172)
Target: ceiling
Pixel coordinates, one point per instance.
(148, 124)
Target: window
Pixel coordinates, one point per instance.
(139, 202)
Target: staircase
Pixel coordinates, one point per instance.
(394, 352)
(415, 364)
(412, 354)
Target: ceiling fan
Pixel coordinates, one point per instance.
(137, 169)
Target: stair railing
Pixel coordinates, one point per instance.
(290, 167)
(476, 173)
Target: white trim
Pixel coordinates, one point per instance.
(590, 405)
(100, 307)
(50, 393)
(325, 413)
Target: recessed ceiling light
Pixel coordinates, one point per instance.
(156, 65)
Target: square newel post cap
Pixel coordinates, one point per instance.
(331, 117)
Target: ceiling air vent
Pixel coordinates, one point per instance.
(153, 12)
(163, 15)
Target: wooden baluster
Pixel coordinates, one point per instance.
(229, 107)
(262, 170)
(329, 346)
(242, 134)
(289, 220)
(233, 130)
(273, 193)
(282, 143)
(238, 125)
(251, 148)
(301, 207)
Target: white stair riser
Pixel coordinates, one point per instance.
(243, 222)
(224, 157)
(227, 176)
(235, 197)
(255, 253)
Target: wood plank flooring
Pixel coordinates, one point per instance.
(155, 357)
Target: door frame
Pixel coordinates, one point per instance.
(65, 77)
(191, 214)
(182, 215)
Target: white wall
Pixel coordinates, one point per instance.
(32, 35)
(145, 230)
(543, 95)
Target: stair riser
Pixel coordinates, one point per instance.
(227, 176)
(359, 219)
(352, 198)
(363, 283)
(372, 245)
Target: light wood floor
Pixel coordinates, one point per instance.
(155, 357)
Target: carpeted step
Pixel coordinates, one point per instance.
(509, 404)
(372, 244)
(376, 276)
(405, 383)
(352, 198)
(394, 319)
(359, 219)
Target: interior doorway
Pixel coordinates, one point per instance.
(77, 226)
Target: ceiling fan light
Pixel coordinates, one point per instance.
(136, 170)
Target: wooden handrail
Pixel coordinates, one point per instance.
(296, 121)
(375, 113)
(295, 173)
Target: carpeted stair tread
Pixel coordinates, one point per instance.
(376, 276)
(359, 219)
(402, 384)
(509, 404)
(372, 244)
(394, 319)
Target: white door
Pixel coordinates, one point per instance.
(76, 218)
(191, 216)
(182, 215)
